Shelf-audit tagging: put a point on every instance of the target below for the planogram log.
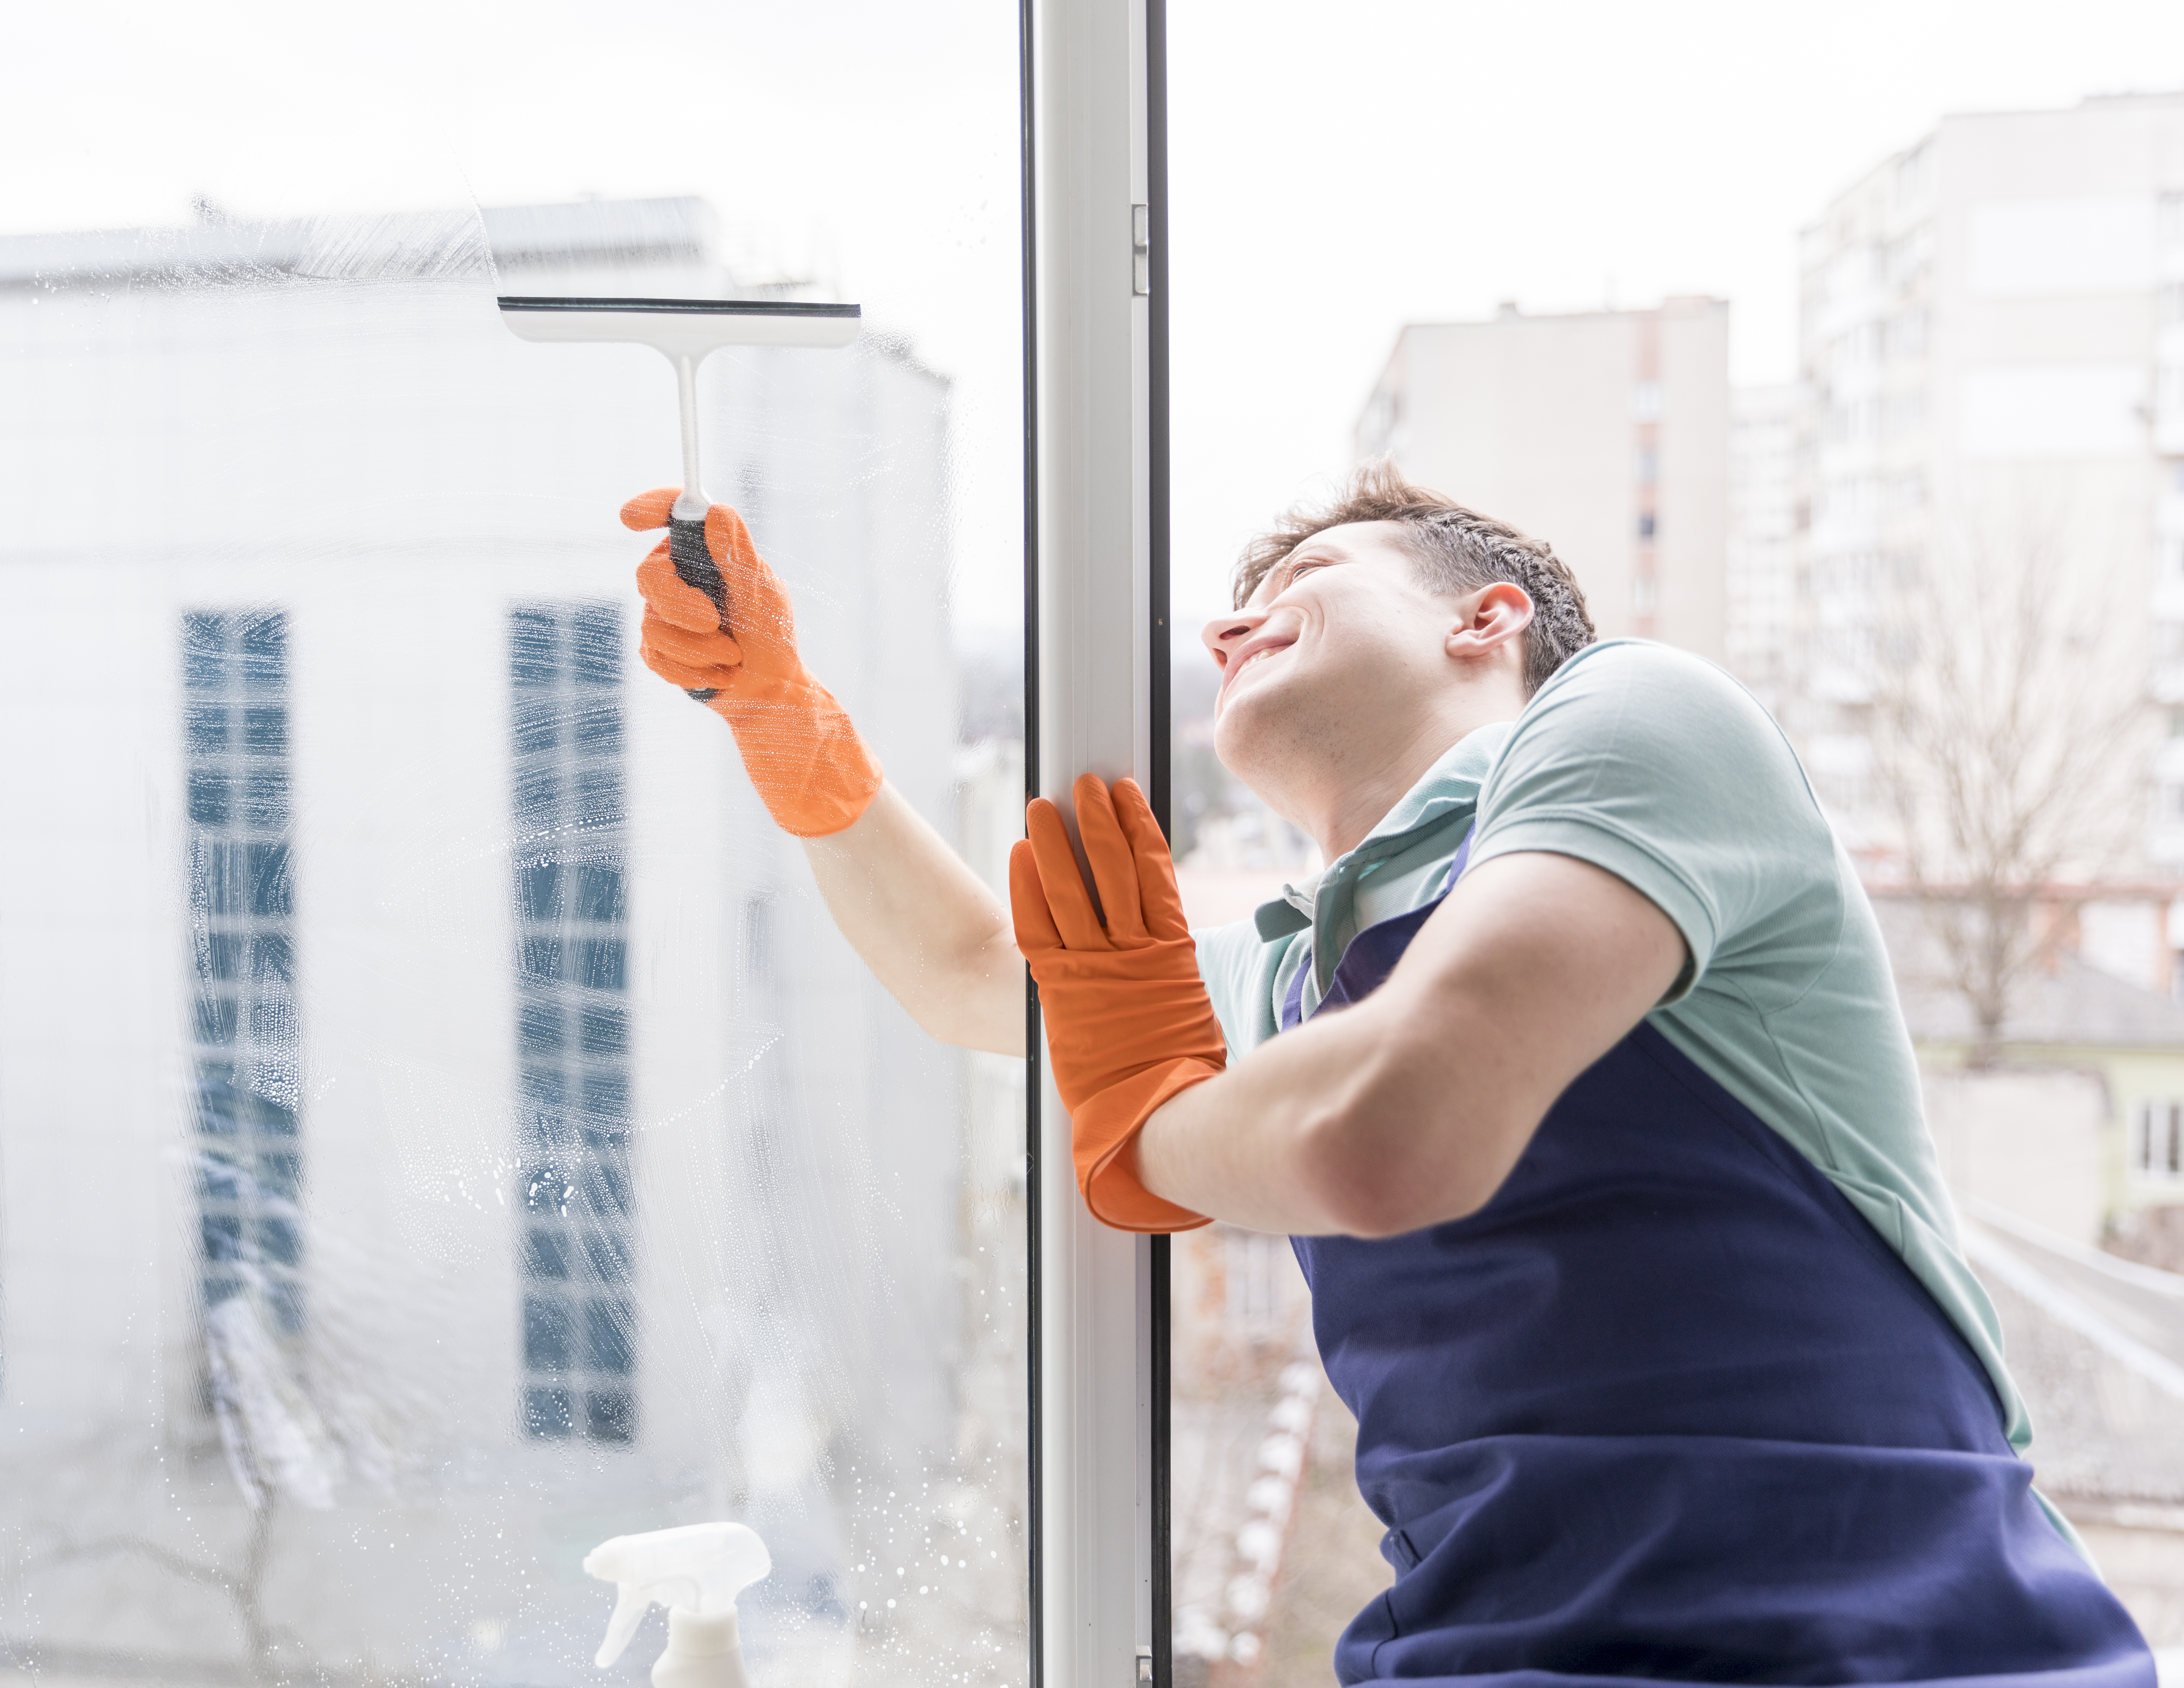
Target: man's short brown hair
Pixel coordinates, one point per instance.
(1457, 551)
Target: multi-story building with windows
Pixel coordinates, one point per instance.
(1605, 433)
(440, 1126)
(1767, 433)
(1992, 337)
(1992, 503)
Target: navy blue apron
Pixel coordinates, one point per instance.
(1667, 1408)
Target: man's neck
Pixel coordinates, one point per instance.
(1361, 798)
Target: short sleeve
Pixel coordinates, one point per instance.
(1236, 966)
(1654, 765)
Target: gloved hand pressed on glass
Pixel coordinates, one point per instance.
(1128, 1023)
(803, 755)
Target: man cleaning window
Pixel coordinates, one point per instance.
(1577, 1077)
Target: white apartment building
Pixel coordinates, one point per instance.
(1605, 433)
(440, 1127)
(1767, 431)
(1992, 334)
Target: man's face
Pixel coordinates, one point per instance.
(1330, 661)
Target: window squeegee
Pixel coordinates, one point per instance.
(683, 331)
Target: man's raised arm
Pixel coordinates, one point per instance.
(925, 923)
(928, 928)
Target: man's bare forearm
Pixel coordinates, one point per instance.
(1411, 1107)
(927, 925)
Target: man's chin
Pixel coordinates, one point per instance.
(1249, 728)
(1257, 689)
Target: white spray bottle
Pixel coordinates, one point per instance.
(696, 1573)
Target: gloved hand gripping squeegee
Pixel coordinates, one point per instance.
(683, 331)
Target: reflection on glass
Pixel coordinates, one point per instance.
(440, 1129)
(249, 1159)
(1275, 1552)
(573, 1134)
(1275, 1549)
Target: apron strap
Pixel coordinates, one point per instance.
(1292, 1014)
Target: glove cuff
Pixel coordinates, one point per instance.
(1101, 1132)
(806, 760)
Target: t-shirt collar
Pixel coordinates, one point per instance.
(1451, 786)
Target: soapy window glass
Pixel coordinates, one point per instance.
(440, 1129)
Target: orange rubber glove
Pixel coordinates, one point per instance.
(805, 759)
(1128, 1023)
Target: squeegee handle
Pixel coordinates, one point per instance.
(694, 563)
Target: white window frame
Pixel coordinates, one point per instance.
(2155, 1152)
(1095, 585)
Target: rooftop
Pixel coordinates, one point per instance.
(2065, 1003)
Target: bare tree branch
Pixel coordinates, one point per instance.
(2009, 722)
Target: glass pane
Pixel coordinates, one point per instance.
(1802, 364)
(441, 1128)
(1274, 1551)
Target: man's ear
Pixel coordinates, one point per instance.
(1489, 621)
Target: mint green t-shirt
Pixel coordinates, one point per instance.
(1656, 765)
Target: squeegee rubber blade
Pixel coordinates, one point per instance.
(681, 327)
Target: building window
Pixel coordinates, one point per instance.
(579, 1319)
(1645, 402)
(2170, 218)
(247, 1147)
(1647, 524)
(2157, 1140)
(1906, 336)
(1648, 465)
(1259, 1269)
(1903, 413)
(2169, 389)
(1907, 491)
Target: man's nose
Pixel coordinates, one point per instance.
(1225, 633)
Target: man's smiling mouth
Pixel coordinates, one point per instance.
(1236, 673)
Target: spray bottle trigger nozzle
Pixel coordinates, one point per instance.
(699, 1568)
(631, 1604)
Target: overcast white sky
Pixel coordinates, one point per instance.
(1339, 169)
